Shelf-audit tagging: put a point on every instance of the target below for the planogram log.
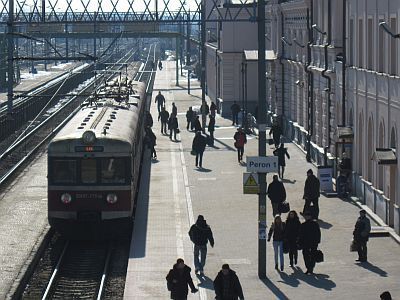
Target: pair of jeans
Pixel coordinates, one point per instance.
(163, 127)
(278, 250)
(199, 156)
(240, 151)
(235, 118)
(309, 259)
(200, 254)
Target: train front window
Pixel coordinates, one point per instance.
(88, 171)
(113, 170)
(63, 171)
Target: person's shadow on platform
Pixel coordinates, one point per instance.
(274, 289)
(288, 181)
(370, 267)
(289, 279)
(204, 170)
(205, 282)
(320, 281)
(323, 224)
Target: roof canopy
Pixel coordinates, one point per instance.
(345, 132)
(385, 156)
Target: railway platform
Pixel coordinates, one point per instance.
(173, 192)
(31, 81)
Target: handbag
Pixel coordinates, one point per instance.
(353, 246)
(271, 142)
(177, 130)
(193, 152)
(284, 207)
(318, 256)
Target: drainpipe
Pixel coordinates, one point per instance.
(344, 65)
(329, 81)
(310, 81)
(282, 69)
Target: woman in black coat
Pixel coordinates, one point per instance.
(211, 127)
(292, 235)
(178, 280)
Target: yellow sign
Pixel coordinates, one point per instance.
(250, 183)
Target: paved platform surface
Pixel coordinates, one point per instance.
(173, 192)
(23, 223)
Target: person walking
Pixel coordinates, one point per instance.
(200, 234)
(311, 194)
(189, 117)
(160, 65)
(174, 109)
(213, 109)
(198, 146)
(211, 129)
(148, 119)
(277, 194)
(309, 238)
(281, 152)
(204, 109)
(292, 235)
(150, 141)
(163, 116)
(361, 233)
(277, 230)
(197, 124)
(276, 132)
(227, 285)
(173, 126)
(240, 140)
(160, 100)
(178, 280)
(235, 109)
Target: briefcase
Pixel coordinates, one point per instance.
(318, 256)
(271, 142)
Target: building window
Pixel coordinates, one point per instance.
(381, 47)
(351, 43)
(370, 48)
(393, 48)
(360, 43)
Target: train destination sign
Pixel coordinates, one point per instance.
(262, 164)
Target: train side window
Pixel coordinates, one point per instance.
(63, 171)
(88, 171)
(113, 170)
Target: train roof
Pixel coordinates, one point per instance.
(107, 118)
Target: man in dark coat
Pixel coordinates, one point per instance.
(311, 194)
(198, 146)
(281, 152)
(361, 235)
(227, 285)
(211, 128)
(160, 100)
(148, 119)
(276, 132)
(163, 116)
(173, 126)
(235, 109)
(174, 109)
(277, 194)
(197, 124)
(178, 280)
(200, 234)
(309, 238)
(213, 109)
(189, 117)
(150, 141)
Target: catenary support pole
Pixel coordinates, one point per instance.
(177, 61)
(10, 60)
(203, 62)
(262, 213)
(188, 51)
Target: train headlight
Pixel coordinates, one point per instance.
(88, 137)
(66, 198)
(111, 198)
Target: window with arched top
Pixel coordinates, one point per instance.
(359, 144)
(381, 140)
(370, 149)
(393, 139)
(351, 117)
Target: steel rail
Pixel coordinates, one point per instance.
(54, 274)
(104, 275)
